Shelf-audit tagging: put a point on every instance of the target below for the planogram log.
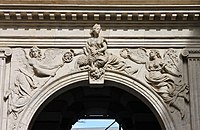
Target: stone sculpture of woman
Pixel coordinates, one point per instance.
(96, 47)
(163, 83)
(31, 74)
(161, 75)
(97, 59)
(95, 50)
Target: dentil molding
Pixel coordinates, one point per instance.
(69, 15)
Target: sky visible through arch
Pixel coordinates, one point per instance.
(95, 123)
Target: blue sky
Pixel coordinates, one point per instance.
(89, 123)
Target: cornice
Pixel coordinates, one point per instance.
(64, 6)
(128, 15)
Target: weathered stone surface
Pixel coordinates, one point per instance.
(157, 57)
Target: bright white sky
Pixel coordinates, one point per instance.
(91, 123)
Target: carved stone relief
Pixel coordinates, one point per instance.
(97, 59)
(163, 74)
(32, 68)
(30, 72)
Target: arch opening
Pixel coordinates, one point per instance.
(83, 101)
(107, 124)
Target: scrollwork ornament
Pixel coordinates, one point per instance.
(6, 51)
(185, 53)
(190, 53)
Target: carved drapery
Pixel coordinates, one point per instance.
(32, 69)
(97, 59)
(31, 73)
(164, 75)
(30, 76)
(64, 26)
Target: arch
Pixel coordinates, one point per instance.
(130, 85)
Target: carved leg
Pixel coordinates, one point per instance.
(172, 102)
(179, 108)
(185, 96)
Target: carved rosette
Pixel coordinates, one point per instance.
(68, 57)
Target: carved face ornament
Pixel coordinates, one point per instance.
(95, 30)
(35, 52)
(154, 54)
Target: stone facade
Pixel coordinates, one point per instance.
(155, 50)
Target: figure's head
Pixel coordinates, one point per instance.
(35, 52)
(124, 53)
(95, 30)
(153, 54)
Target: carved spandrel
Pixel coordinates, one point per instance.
(163, 74)
(31, 70)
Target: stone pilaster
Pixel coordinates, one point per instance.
(193, 56)
(4, 53)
